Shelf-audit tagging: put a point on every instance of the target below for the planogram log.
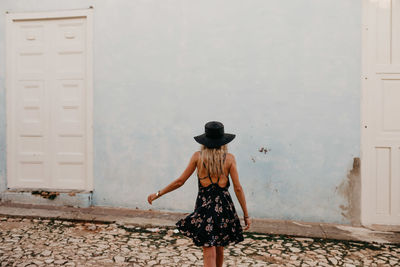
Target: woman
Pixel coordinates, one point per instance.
(214, 222)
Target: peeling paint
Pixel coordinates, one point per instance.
(46, 194)
(350, 189)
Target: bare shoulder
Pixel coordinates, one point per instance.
(196, 156)
(230, 158)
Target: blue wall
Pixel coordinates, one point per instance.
(283, 75)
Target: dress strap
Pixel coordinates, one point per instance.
(201, 178)
(207, 172)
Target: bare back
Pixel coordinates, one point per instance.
(222, 180)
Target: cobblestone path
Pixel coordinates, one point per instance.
(40, 242)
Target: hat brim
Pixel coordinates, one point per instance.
(214, 143)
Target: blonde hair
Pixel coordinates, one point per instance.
(213, 159)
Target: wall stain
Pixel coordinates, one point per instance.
(264, 149)
(350, 189)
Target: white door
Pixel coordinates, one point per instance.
(380, 166)
(49, 100)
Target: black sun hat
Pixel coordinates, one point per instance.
(214, 135)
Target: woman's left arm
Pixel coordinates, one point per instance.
(179, 181)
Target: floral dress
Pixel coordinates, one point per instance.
(214, 221)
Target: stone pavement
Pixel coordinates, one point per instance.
(53, 242)
(148, 218)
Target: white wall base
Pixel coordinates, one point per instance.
(72, 198)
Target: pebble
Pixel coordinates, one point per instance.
(119, 259)
(46, 253)
(77, 244)
(60, 262)
(295, 250)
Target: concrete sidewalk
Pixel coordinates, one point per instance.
(168, 219)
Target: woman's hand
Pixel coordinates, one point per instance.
(151, 198)
(247, 222)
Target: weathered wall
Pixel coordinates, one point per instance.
(282, 75)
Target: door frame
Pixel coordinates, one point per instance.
(10, 135)
(364, 113)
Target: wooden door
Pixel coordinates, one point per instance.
(49, 100)
(380, 165)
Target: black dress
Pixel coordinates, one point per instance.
(214, 221)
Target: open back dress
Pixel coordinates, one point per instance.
(214, 221)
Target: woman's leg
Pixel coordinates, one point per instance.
(209, 256)
(220, 256)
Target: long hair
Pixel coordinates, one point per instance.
(213, 158)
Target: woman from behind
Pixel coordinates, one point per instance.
(214, 222)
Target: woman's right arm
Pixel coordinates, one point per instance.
(191, 167)
(239, 192)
